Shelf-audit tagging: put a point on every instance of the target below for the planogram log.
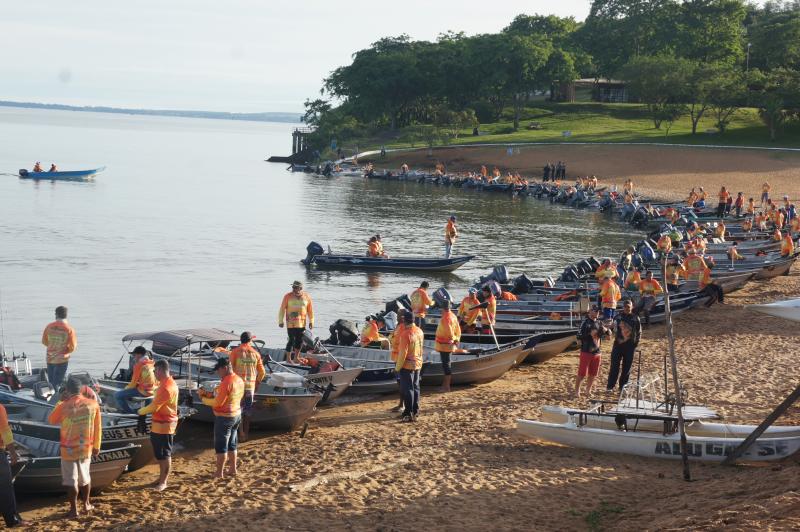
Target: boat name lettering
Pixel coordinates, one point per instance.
(123, 433)
(321, 380)
(720, 448)
(270, 401)
(109, 456)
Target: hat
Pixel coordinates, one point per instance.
(139, 350)
(473, 290)
(222, 362)
(246, 336)
(453, 218)
(297, 284)
(408, 318)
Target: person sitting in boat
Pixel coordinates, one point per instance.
(632, 280)
(733, 252)
(505, 295)
(719, 231)
(787, 245)
(53, 168)
(143, 381)
(649, 288)
(370, 335)
(747, 225)
(373, 248)
(380, 246)
(37, 167)
(404, 169)
(776, 235)
(467, 313)
(488, 314)
(607, 270)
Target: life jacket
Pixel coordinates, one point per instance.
(411, 342)
(464, 312)
(649, 287)
(787, 245)
(165, 417)
(297, 309)
(665, 244)
(610, 294)
(633, 278)
(508, 296)
(420, 301)
(448, 332)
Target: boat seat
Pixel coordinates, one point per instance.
(43, 391)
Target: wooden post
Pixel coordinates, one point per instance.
(781, 408)
(687, 476)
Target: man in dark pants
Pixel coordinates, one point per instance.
(409, 365)
(629, 330)
(8, 457)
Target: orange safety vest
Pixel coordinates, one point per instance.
(420, 301)
(410, 348)
(488, 314)
(650, 287)
(297, 310)
(634, 278)
(6, 436)
(370, 333)
(665, 244)
(164, 407)
(450, 232)
(81, 426)
(508, 296)
(448, 333)
(394, 340)
(144, 377)
(59, 337)
(374, 250)
(610, 294)
(787, 245)
(246, 362)
(464, 312)
(694, 267)
(227, 397)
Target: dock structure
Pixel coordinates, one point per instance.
(301, 150)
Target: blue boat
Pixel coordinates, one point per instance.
(74, 175)
(316, 257)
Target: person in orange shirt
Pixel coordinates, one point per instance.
(408, 366)
(59, 337)
(450, 236)
(648, 289)
(467, 313)
(8, 458)
(765, 188)
(371, 334)
(420, 301)
(247, 363)
(143, 381)
(488, 312)
(448, 334)
(610, 294)
(665, 244)
(723, 201)
(373, 248)
(164, 409)
(226, 403)
(394, 341)
(787, 245)
(508, 296)
(81, 437)
(297, 311)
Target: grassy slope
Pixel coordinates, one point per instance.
(596, 122)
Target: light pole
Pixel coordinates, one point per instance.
(747, 63)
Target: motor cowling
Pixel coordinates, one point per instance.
(522, 285)
(343, 332)
(442, 297)
(313, 249)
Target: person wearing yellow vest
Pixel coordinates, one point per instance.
(381, 251)
(81, 436)
(297, 311)
(787, 245)
(394, 341)
(632, 280)
(648, 289)
(719, 231)
(609, 296)
(408, 365)
(420, 301)
(607, 270)
(164, 410)
(467, 313)
(373, 248)
(665, 244)
(694, 265)
(675, 270)
(246, 362)
(450, 236)
(143, 381)
(59, 337)
(226, 403)
(448, 334)
(488, 313)
(8, 458)
(370, 334)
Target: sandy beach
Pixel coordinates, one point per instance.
(461, 466)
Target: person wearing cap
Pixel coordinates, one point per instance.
(297, 312)
(143, 381)
(448, 334)
(467, 311)
(225, 401)
(606, 270)
(408, 366)
(370, 334)
(164, 409)
(8, 458)
(450, 236)
(394, 341)
(590, 337)
(60, 339)
(420, 301)
(247, 363)
(489, 311)
(629, 331)
(81, 436)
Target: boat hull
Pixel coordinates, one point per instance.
(356, 262)
(75, 175)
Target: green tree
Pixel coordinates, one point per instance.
(774, 34)
(710, 31)
(658, 82)
(778, 98)
(727, 93)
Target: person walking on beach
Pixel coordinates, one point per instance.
(448, 334)
(8, 458)
(450, 236)
(420, 301)
(724, 196)
(765, 188)
(590, 336)
(297, 311)
(226, 403)
(246, 362)
(81, 436)
(60, 339)
(143, 381)
(629, 331)
(408, 366)
(164, 409)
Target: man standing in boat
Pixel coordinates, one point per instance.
(297, 311)
(164, 409)
(448, 334)
(450, 236)
(59, 337)
(8, 457)
(420, 301)
(590, 337)
(629, 331)
(408, 366)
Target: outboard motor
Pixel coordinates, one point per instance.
(494, 286)
(646, 253)
(594, 263)
(402, 302)
(309, 340)
(522, 285)
(441, 296)
(343, 332)
(313, 249)
(390, 320)
(23, 172)
(584, 267)
(499, 274)
(570, 274)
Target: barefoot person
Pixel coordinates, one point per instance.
(8, 457)
(247, 363)
(448, 334)
(297, 311)
(81, 436)
(164, 409)
(590, 336)
(226, 403)
(59, 337)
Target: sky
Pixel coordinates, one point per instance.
(215, 55)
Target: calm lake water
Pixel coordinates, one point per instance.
(189, 227)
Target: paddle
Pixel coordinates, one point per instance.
(484, 305)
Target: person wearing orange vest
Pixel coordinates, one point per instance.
(609, 296)
(765, 188)
(373, 248)
(648, 289)
(747, 225)
(488, 313)
(450, 236)
(448, 334)
(607, 270)
(723, 201)
(787, 245)
(776, 235)
(508, 296)
(297, 311)
(143, 381)
(8, 458)
(632, 280)
(246, 362)
(709, 287)
(420, 301)
(467, 313)
(226, 403)
(409, 365)
(665, 244)
(81, 436)
(394, 342)
(371, 334)
(694, 265)
(719, 231)
(164, 409)
(733, 252)
(59, 337)
(675, 270)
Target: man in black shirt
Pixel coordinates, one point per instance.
(629, 331)
(590, 336)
